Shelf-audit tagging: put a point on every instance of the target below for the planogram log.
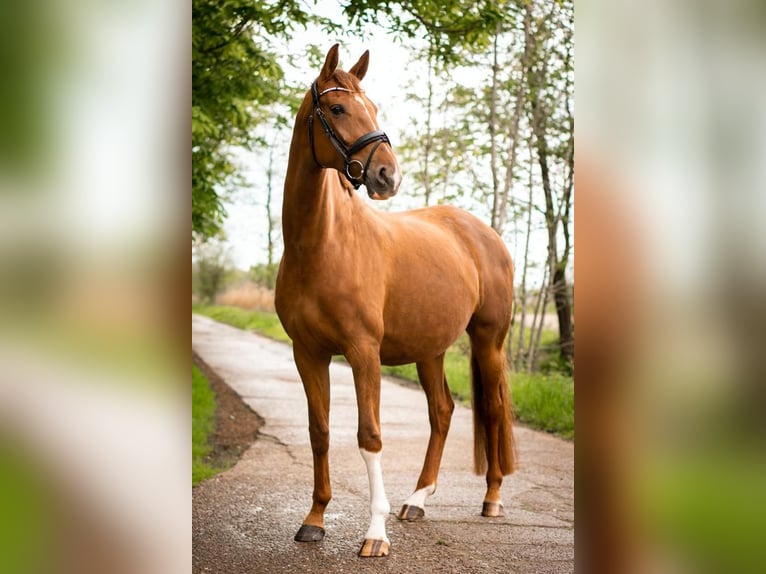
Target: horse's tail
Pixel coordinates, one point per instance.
(492, 409)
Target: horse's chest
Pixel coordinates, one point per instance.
(324, 307)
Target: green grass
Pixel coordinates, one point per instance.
(545, 402)
(704, 499)
(203, 425)
(455, 367)
(261, 321)
(542, 401)
(31, 511)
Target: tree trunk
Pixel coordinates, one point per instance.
(269, 218)
(557, 268)
(429, 135)
(493, 137)
(536, 330)
(564, 312)
(511, 164)
(522, 325)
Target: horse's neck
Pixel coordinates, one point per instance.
(315, 205)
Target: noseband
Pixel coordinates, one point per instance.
(377, 136)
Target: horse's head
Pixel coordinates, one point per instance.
(344, 132)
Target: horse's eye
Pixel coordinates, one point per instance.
(337, 110)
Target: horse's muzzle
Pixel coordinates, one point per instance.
(383, 182)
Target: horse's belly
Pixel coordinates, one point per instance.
(421, 335)
(428, 305)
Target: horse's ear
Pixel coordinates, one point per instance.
(330, 63)
(360, 68)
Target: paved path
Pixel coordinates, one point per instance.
(245, 518)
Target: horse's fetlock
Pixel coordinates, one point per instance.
(322, 499)
(380, 507)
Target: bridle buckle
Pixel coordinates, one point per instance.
(360, 175)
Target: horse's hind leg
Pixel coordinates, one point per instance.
(440, 407)
(493, 432)
(316, 383)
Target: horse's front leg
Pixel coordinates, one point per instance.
(315, 374)
(365, 363)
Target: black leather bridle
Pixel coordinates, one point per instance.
(377, 136)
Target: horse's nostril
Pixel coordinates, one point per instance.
(382, 174)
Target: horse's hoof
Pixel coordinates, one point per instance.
(373, 548)
(309, 533)
(411, 513)
(492, 509)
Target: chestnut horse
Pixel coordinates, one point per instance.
(386, 288)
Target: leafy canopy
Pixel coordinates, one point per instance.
(235, 78)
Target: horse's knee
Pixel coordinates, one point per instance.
(445, 411)
(320, 438)
(369, 438)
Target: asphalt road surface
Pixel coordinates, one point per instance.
(244, 519)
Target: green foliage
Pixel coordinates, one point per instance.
(210, 270)
(449, 24)
(548, 358)
(264, 274)
(544, 402)
(27, 511)
(236, 81)
(36, 48)
(707, 503)
(203, 425)
(210, 276)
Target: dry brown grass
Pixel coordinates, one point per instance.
(249, 296)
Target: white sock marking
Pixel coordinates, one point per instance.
(418, 498)
(379, 507)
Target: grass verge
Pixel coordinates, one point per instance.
(261, 321)
(544, 402)
(203, 425)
